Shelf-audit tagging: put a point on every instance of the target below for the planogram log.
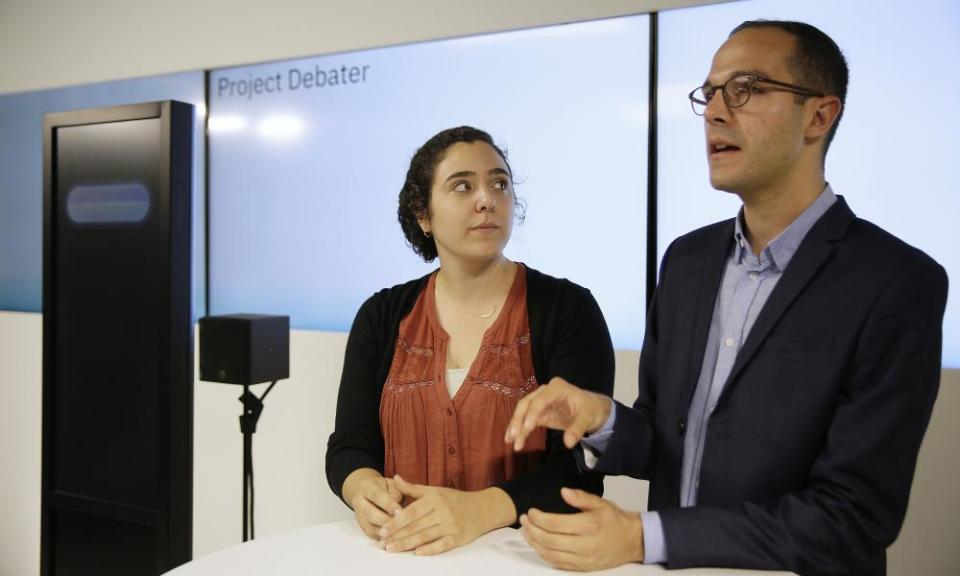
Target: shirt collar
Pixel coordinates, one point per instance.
(781, 249)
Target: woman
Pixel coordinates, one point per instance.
(434, 367)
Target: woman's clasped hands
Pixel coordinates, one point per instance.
(438, 519)
(374, 499)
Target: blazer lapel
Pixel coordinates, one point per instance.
(811, 255)
(711, 264)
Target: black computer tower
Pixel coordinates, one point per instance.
(117, 340)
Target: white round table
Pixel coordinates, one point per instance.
(341, 548)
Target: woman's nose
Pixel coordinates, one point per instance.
(486, 200)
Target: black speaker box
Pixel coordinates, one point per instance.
(244, 348)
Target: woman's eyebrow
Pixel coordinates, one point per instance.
(461, 174)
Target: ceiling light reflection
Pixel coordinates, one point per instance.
(280, 127)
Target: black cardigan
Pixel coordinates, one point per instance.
(568, 337)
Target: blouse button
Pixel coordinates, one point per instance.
(449, 412)
(451, 449)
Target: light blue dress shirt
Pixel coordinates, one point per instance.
(748, 280)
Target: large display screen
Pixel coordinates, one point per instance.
(893, 158)
(307, 158)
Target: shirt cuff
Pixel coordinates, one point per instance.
(597, 442)
(654, 544)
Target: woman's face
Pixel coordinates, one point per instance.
(471, 203)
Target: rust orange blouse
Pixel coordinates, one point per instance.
(432, 439)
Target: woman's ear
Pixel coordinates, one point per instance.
(424, 226)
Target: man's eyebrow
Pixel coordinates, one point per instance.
(734, 74)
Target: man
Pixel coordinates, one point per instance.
(791, 358)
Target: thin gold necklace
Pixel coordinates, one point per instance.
(492, 311)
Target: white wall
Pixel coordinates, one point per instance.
(21, 396)
(928, 542)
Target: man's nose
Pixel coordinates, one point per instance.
(717, 110)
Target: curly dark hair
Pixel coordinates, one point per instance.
(414, 200)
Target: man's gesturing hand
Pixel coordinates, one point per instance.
(561, 406)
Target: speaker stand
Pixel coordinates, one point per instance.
(252, 407)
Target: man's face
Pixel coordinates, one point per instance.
(755, 147)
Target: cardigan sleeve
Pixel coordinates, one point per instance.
(356, 441)
(575, 346)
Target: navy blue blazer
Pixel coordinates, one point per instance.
(810, 452)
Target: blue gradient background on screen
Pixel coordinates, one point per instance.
(894, 157)
(304, 184)
(21, 175)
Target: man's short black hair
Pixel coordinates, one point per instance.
(816, 63)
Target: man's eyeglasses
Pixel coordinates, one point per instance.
(737, 90)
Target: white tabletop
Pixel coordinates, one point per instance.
(340, 548)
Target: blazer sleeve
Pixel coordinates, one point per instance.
(356, 441)
(581, 352)
(855, 496)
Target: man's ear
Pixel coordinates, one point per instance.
(824, 117)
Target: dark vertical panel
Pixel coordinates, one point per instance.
(206, 195)
(118, 404)
(176, 446)
(107, 328)
(90, 545)
(652, 165)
